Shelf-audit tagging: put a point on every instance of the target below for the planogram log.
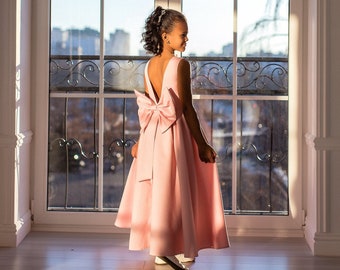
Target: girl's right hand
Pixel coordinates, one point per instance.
(207, 153)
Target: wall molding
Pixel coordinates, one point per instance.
(11, 235)
(322, 143)
(309, 140)
(7, 141)
(327, 144)
(327, 244)
(24, 137)
(19, 139)
(309, 235)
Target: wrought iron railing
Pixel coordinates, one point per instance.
(210, 76)
(264, 76)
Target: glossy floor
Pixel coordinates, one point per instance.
(66, 251)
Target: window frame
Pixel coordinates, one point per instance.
(249, 225)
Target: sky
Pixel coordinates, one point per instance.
(210, 22)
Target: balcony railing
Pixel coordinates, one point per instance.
(262, 128)
(260, 76)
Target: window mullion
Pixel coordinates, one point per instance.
(101, 112)
(234, 114)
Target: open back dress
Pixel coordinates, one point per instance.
(172, 200)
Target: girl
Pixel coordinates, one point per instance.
(172, 201)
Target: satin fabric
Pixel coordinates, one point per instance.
(172, 201)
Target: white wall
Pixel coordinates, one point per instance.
(333, 112)
(322, 126)
(15, 133)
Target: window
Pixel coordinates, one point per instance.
(89, 108)
(242, 98)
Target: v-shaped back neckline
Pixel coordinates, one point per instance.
(151, 88)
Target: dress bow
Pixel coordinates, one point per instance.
(164, 112)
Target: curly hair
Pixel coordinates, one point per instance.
(160, 21)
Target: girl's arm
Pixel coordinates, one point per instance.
(206, 152)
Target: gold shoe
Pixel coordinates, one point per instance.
(159, 261)
(173, 262)
(182, 259)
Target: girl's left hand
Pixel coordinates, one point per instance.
(207, 153)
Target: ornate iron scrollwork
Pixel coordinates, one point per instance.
(275, 157)
(255, 75)
(64, 143)
(67, 74)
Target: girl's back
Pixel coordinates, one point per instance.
(156, 69)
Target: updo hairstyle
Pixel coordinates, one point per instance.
(160, 21)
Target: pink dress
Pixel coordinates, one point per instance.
(172, 201)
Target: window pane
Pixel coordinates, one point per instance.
(262, 76)
(211, 75)
(74, 75)
(210, 27)
(72, 153)
(216, 120)
(123, 26)
(126, 74)
(121, 131)
(222, 142)
(73, 32)
(262, 28)
(263, 156)
(75, 45)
